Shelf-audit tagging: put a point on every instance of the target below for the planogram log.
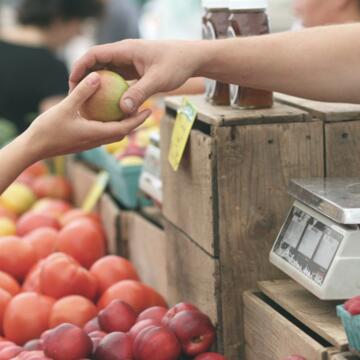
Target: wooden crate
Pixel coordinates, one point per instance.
(229, 199)
(285, 319)
(145, 245)
(341, 133)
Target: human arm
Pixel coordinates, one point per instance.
(61, 130)
(319, 63)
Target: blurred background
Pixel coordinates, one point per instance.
(41, 39)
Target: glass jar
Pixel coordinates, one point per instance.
(215, 26)
(248, 18)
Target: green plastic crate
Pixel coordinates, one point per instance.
(351, 324)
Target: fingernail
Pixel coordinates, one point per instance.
(93, 79)
(129, 105)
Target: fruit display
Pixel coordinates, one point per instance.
(63, 298)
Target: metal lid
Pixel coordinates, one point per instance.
(215, 4)
(336, 198)
(248, 4)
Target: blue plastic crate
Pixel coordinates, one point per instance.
(96, 157)
(351, 324)
(124, 183)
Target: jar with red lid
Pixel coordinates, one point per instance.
(248, 18)
(215, 26)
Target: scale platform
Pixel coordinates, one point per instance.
(319, 243)
(336, 198)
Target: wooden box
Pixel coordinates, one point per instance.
(144, 244)
(228, 200)
(285, 319)
(341, 133)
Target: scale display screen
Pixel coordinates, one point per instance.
(308, 245)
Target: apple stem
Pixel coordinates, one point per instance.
(198, 339)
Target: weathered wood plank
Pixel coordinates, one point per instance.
(324, 111)
(226, 115)
(188, 193)
(270, 336)
(147, 251)
(109, 214)
(192, 273)
(343, 149)
(256, 164)
(320, 316)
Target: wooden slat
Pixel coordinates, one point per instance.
(188, 193)
(345, 356)
(256, 164)
(343, 149)
(270, 336)
(147, 251)
(110, 213)
(319, 316)
(226, 115)
(192, 274)
(323, 110)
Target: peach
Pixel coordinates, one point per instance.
(104, 105)
(32, 221)
(155, 313)
(67, 342)
(115, 346)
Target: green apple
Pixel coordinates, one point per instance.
(104, 105)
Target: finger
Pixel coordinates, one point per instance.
(109, 55)
(103, 131)
(136, 95)
(83, 91)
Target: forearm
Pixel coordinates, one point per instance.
(320, 63)
(14, 158)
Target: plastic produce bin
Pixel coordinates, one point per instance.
(351, 324)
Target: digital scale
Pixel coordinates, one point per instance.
(319, 243)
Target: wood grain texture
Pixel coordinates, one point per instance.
(324, 111)
(345, 356)
(256, 164)
(188, 193)
(270, 336)
(343, 149)
(226, 115)
(147, 251)
(192, 274)
(319, 316)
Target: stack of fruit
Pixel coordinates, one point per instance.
(131, 150)
(54, 274)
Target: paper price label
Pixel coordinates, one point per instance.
(184, 122)
(96, 191)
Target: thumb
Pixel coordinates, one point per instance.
(83, 90)
(139, 92)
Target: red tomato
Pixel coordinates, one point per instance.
(132, 292)
(53, 207)
(43, 241)
(111, 269)
(32, 280)
(5, 298)
(52, 186)
(8, 283)
(32, 221)
(73, 309)
(37, 169)
(27, 317)
(16, 256)
(76, 214)
(61, 275)
(82, 240)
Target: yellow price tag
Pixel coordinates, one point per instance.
(59, 165)
(96, 191)
(184, 122)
